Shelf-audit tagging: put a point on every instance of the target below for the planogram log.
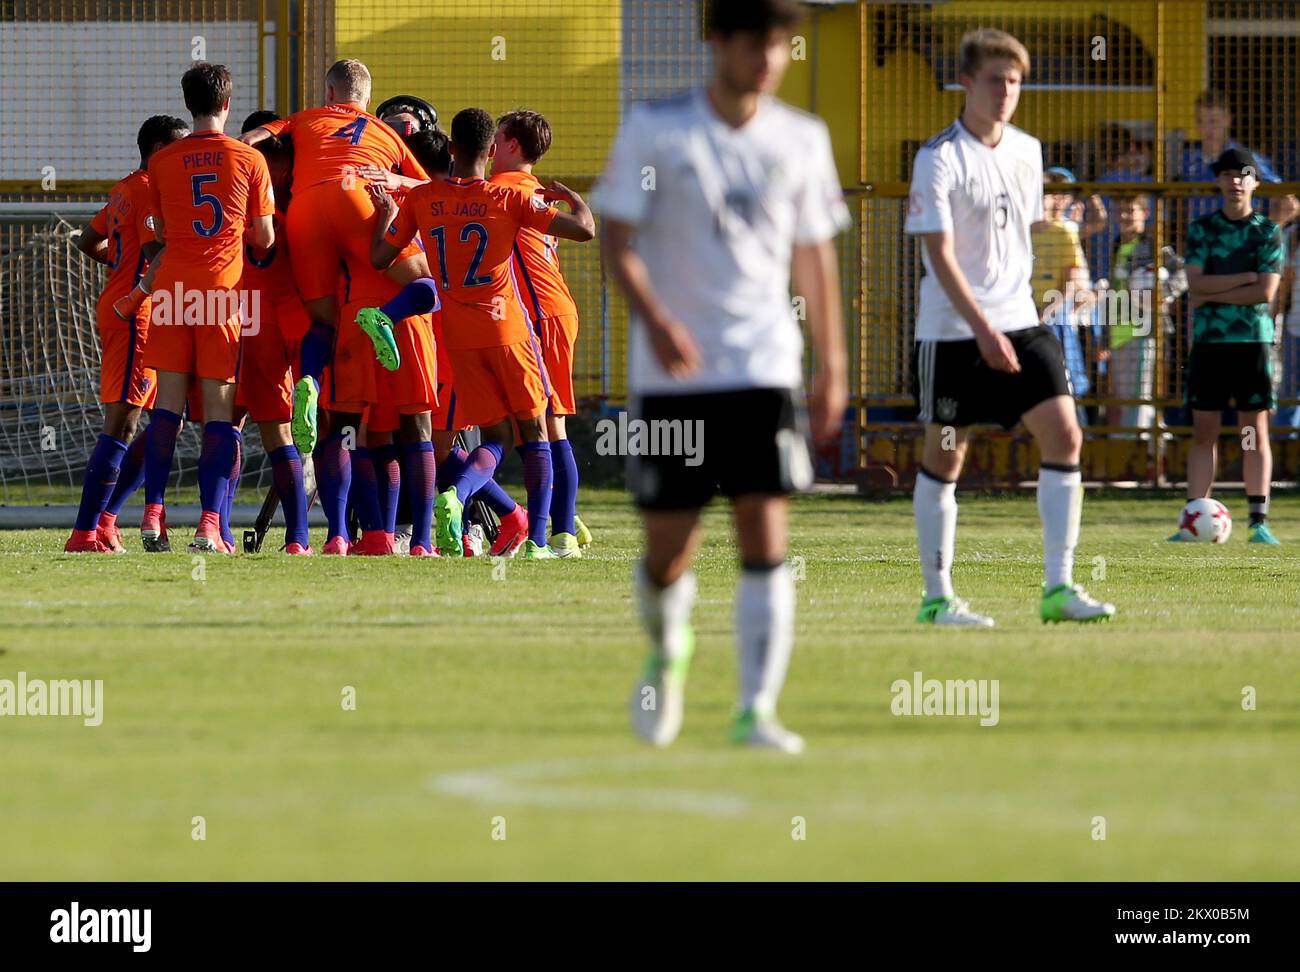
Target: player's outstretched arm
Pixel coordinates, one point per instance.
(392, 181)
(255, 135)
(383, 248)
(816, 279)
(994, 346)
(581, 225)
(93, 243)
(671, 342)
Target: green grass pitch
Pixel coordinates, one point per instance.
(491, 703)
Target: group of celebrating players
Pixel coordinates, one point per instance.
(365, 291)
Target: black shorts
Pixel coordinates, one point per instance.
(953, 386)
(686, 449)
(1223, 374)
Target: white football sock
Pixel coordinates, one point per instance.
(935, 504)
(665, 611)
(765, 634)
(1060, 503)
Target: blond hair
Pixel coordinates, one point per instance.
(351, 80)
(987, 44)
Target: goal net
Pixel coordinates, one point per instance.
(50, 412)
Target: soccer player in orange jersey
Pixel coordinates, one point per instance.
(522, 138)
(331, 217)
(269, 355)
(121, 237)
(209, 192)
(468, 228)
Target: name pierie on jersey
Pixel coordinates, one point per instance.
(204, 160)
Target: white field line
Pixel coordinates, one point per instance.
(536, 784)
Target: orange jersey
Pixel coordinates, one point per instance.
(329, 144)
(271, 274)
(206, 187)
(537, 260)
(126, 221)
(468, 228)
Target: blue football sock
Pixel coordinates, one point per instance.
(160, 447)
(422, 480)
(417, 297)
(316, 350)
(215, 464)
(365, 491)
(286, 470)
(537, 481)
(130, 477)
(564, 498)
(101, 476)
(480, 466)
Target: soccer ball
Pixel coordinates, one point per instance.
(1205, 521)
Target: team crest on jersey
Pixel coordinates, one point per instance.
(946, 409)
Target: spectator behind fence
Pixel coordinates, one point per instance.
(1214, 125)
(1130, 338)
(1062, 286)
(1289, 377)
(1124, 158)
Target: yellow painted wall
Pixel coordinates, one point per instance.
(558, 57)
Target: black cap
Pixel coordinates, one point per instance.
(1234, 160)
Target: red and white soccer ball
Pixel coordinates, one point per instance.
(1205, 520)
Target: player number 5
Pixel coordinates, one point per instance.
(201, 198)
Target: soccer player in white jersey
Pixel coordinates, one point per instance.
(981, 353)
(710, 199)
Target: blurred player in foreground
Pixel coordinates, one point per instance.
(746, 191)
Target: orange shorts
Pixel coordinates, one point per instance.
(123, 376)
(268, 360)
(415, 384)
(559, 337)
(493, 384)
(326, 224)
(207, 347)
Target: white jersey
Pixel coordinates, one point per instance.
(717, 212)
(987, 198)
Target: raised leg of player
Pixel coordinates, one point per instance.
(314, 354)
(535, 451)
(665, 591)
(1055, 427)
(564, 495)
(1257, 470)
(333, 463)
(934, 505)
(422, 476)
(160, 448)
(764, 621)
(216, 462)
(480, 467)
(286, 474)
